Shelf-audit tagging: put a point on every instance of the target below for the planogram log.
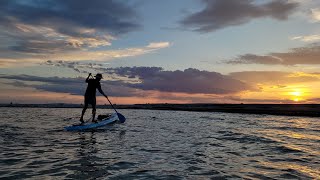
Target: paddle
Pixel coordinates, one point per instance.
(120, 116)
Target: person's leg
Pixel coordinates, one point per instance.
(93, 113)
(83, 111)
(94, 110)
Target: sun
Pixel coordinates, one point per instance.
(296, 93)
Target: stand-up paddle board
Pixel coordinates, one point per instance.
(115, 117)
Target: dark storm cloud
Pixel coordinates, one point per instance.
(303, 55)
(219, 14)
(190, 81)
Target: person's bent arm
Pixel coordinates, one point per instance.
(87, 80)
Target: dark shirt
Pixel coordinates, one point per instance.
(93, 84)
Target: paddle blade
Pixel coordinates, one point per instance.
(121, 118)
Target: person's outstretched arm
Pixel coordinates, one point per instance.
(88, 77)
(100, 90)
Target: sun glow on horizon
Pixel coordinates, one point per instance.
(298, 94)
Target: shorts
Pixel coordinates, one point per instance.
(90, 100)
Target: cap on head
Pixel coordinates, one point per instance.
(98, 76)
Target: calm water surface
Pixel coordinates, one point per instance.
(158, 145)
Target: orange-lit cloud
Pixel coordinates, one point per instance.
(275, 77)
(273, 94)
(280, 87)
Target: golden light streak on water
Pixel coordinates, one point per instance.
(315, 173)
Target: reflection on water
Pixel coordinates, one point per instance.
(159, 145)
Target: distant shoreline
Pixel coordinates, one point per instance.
(309, 110)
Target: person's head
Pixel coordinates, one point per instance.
(98, 76)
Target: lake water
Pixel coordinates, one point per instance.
(158, 145)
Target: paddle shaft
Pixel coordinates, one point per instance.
(112, 105)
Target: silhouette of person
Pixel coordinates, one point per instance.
(90, 95)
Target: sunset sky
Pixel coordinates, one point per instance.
(168, 51)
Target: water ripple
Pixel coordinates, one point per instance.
(158, 145)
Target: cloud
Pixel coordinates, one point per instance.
(187, 81)
(313, 100)
(66, 17)
(36, 29)
(190, 81)
(55, 55)
(84, 37)
(256, 59)
(219, 14)
(102, 55)
(304, 55)
(32, 41)
(315, 14)
(158, 45)
(76, 66)
(308, 38)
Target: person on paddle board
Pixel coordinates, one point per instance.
(90, 95)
